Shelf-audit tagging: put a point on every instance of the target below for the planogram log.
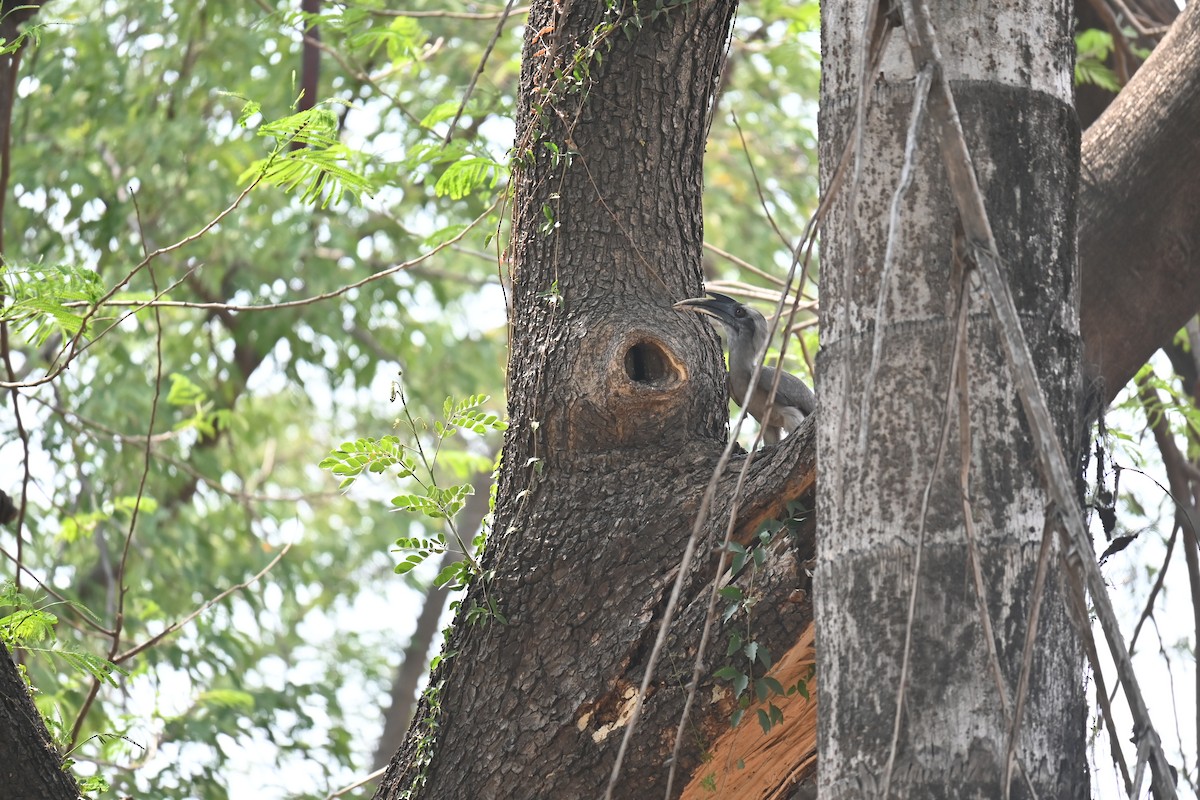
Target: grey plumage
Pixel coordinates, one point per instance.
(746, 331)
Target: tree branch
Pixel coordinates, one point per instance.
(1139, 213)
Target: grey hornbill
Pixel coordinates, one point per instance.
(747, 331)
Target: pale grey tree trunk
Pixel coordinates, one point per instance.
(1010, 66)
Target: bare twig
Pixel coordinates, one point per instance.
(743, 264)
(762, 198)
(508, 8)
(435, 14)
(120, 658)
(138, 305)
(1039, 589)
(1123, 57)
(361, 782)
(1185, 511)
(1148, 609)
(147, 460)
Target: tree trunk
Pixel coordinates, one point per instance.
(881, 425)
(617, 415)
(30, 767)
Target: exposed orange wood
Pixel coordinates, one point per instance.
(748, 764)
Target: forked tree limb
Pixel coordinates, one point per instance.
(1139, 212)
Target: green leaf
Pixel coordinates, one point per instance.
(26, 626)
(38, 297)
(730, 592)
(249, 110)
(98, 668)
(440, 113)
(727, 673)
(184, 392)
(226, 698)
(452, 574)
(463, 177)
(764, 657)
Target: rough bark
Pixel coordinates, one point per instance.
(1139, 206)
(1010, 67)
(617, 408)
(30, 766)
(647, 154)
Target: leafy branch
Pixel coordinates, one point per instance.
(323, 165)
(412, 460)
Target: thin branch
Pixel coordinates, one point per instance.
(762, 199)
(351, 787)
(139, 305)
(1123, 57)
(1135, 22)
(82, 612)
(1039, 592)
(89, 427)
(1114, 740)
(120, 658)
(147, 460)
(473, 15)
(1185, 511)
(1166, 659)
(1155, 589)
(71, 350)
(743, 264)
(479, 70)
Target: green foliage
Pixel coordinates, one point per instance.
(465, 176)
(134, 133)
(750, 661)
(85, 524)
(206, 419)
(42, 301)
(33, 630)
(1092, 49)
(25, 624)
(308, 151)
(368, 455)
(417, 463)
